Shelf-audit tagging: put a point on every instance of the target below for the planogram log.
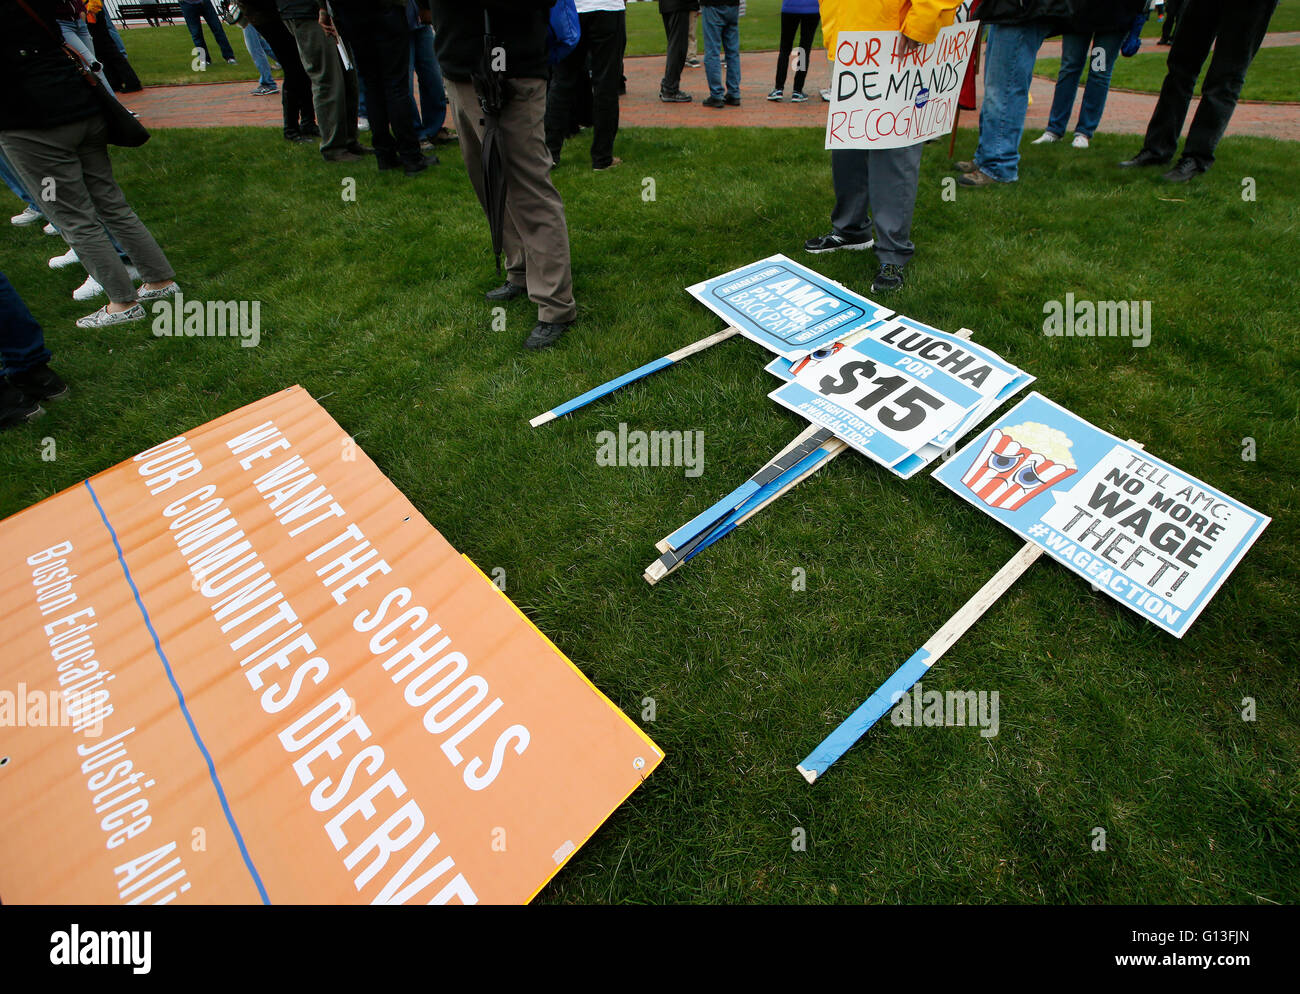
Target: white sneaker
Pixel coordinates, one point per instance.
(30, 215)
(1080, 141)
(88, 290)
(363, 124)
(169, 290)
(49, 229)
(826, 94)
(68, 258)
(1046, 138)
(103, 319)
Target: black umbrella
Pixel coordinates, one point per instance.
(492, 90)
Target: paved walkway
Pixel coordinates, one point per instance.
(231, 104)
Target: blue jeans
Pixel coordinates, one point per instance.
(1008, 69)
(261, 53)
(1075, 52)
(722, 31)
(432, 112)
(77, 36)
(12, 181)
(112, 32)
(195, 14)
(22, 343)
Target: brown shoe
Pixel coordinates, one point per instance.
(977, 178)
(965, 167)
(614, 161)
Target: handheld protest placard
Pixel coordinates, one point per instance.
(641, 372)
(263, 676)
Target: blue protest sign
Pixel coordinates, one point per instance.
(1154, 538)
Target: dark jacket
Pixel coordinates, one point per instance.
(1024, 11)
(1104, 16)
(39, 85)
(519, 27)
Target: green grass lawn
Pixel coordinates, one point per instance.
(376, 307)
(1274, 75)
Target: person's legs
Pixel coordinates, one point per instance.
(1074, 52)
(56, 153)
(22, 342)
(807, 30)
(218, 32)
(1008, 71)
(194, 21)
(361, 29)
(432, 113)
(849, 217)
(533, 206)
(692, 33)
(11, 180)
(1239, 38)
(320, 60)
(711, 26)
(892, 178)
(253, 42)
(295, 93)
(1199, 22)
(675, 26)
(789, 25)
(731, 45)
(392, 44)
(77, 37)
(606, 38)
(112, 32)
(1101, 62)
(118, 217)
(561, 96)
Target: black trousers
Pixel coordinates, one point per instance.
(1173, 8)
(1235, 30)
(807, 27)
(380, 41)
(295, 93)
(604, 37)
(677, 28)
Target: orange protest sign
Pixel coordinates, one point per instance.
(242, 667)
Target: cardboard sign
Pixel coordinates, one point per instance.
(251, 671)
(1154, 538)
(881, 98)
(878, 399)
(785, 307)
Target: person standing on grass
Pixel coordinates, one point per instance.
(720, 21)
(195, 13)
(261, 52)
(876, 188)
(25, 375)
(431, 116)
(1235, 31)
(536, 235)
(52, 129)
(295, 93)
(117, 70)
(333, 86)
(1017, 30)
(377, 35)
(676, 15)
(1092, 35)
(604, 37)
(801, 16)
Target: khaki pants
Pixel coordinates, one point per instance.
(71, 162)
(333, 88)
(536, 237)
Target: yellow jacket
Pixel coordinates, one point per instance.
(920, 20)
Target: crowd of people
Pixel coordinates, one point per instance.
(515, 90)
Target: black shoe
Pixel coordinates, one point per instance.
(301, 139)
(675, 97)
(1183, 171)
(833, 241)
(39, 383)
(731, 101)
(713, 102)
(16, 407)
(506, 291)
(356, 148)
(888, 279)
(1143, 158)
(414, 167)
(546, 333)
(343, 155)
(310, 130)
(387, 162)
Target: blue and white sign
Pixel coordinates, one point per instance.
(880, 400)
(1154, 538)
(785, 307)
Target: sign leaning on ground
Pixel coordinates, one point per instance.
(881, 98)
(785, 307)
(1154, 538)
(269, 679)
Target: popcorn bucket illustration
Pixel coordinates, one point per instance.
(1018, 463)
